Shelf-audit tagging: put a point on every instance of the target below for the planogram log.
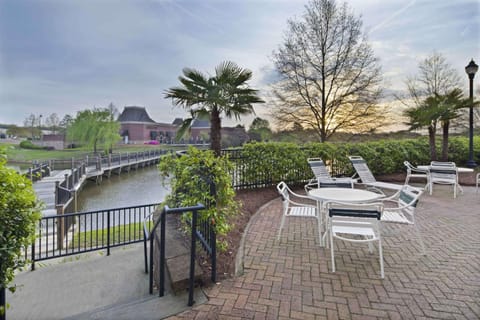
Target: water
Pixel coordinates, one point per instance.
(137, 187)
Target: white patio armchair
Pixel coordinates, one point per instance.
(323, 179)
(416, 173)
(358, 223)
(444, 173)
(400, 208)
(296, 205)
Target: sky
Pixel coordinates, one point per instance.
(64, 56)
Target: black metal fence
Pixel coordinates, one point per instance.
(38, 171)
(202, 231)
(74, 233)
(246, 175)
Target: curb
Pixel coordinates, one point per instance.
(239, 261)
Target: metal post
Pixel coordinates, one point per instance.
(471, 69)
(108, 232)
(192, 259)
(3, 303)
(162, 252)
(471, 162)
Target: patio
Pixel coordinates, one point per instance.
(292, 279)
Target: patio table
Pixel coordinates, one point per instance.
(341, 195)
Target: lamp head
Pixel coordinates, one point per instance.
(471, 69)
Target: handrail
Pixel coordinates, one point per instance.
(80, 232)
(153, 235)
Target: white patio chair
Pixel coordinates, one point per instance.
(296, 205)
(323, 179)
(400, 208)
(363, 172)
(359, 223)
(443, 174)
(414, 172)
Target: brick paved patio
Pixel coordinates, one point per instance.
(290, 279)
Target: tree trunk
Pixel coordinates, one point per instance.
(445, 128)
(215, 134)
(431, 138)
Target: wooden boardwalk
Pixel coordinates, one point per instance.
(72, 180)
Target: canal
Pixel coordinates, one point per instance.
(137, 187)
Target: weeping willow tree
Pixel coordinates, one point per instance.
(95, 128)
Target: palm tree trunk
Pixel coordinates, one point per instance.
(446, 125)
(431, 138)
(215, 134)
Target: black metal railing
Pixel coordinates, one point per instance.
(245, 173)
(74, 233)
(38, 171)
(202, 231)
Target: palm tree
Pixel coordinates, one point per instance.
(437, 109)
(227, 92)
(427, 114)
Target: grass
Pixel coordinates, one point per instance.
(118, 234)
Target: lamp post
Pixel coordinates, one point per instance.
(471, 69)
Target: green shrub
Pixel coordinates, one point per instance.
(267, 163)
(19, 214)
(189, 177)
(27, 144)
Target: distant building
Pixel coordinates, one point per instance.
(56, 141)
(136, 126)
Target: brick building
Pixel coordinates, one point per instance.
(136, 126)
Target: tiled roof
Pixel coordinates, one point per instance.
(197, 123)
(135, 114)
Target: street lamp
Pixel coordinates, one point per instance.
(471, 69)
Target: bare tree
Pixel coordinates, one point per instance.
(329, 75)
(32, 122)
(436, 78)
(53, 122)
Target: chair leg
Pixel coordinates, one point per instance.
(319, 225)
(380, 253)
(331, 250)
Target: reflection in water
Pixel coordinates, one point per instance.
(137, 187)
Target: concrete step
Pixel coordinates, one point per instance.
(178, 258)
(146, 308)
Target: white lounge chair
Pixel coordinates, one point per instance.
(363, 172)
(323, 179)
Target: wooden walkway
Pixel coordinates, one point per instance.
(95, 169)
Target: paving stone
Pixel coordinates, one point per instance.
(292, 278)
